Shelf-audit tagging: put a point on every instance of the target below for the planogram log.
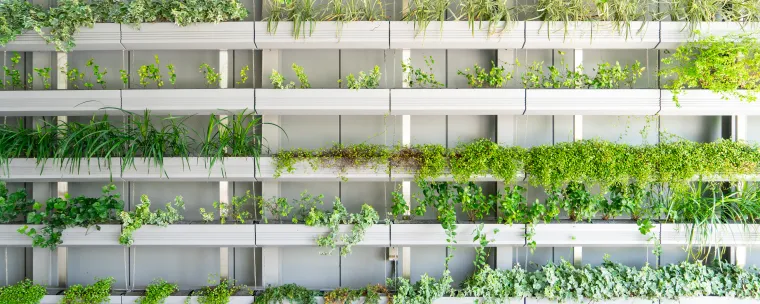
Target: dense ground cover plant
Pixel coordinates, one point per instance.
(67, 212)
(157, 292)
(133, 220)
(218, 294)
(66, 19)
(725, 65)
(562, 76)
(98, 292)
(23, 292)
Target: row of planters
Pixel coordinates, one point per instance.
(148, 24)
(680, 193)
(552, 283)
(711, 76)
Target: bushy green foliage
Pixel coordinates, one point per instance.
(725, 65)
(133, 220)
(14, 205)
(23, 292)
(98, 292)
(364, 81)
(219, 294)
(497, 77)
(157, 292)
(288, 292)
(67, 212)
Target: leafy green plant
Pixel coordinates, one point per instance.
(339, 216)
(579, 203)
(14, 82)
(725, 65)
(98, 292)
(133, 220)
(302, 78)
(278, 207)
(64, 21)
(243, 75)
(219, 294)
(157, 292)
(212, 77)
(44, 74)
(13, 205)
(17, 16)
(172, 75)
(364, 81)
(497, 77)
(279, 81)
(287, 292)
(99, 76)
(23, 292)
(560, 76)
(425, 290)
(415, 77)
(124, 78)
(66, 212)
(235, 210)
(151, 72)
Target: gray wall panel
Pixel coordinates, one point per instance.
(87, 263)
(377, 195)
(633, 256)
(380, 130)
(465, 129)
(186, 65)
(16, 261)
(190, 268)
(696, 128)
(321, 66)
(364, 266)
(305, 266)
(245, 265)
(428, 129)
(427, 260)
(623, 129)
(195, 195)
(309, 132)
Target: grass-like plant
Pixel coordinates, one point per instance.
(232, 136)
(302, 13)
(423, 12)
(498, 15)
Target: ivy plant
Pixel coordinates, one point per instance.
(134, 220)
(333, 219)
(66, 212)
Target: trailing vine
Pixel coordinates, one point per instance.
(359, 222)
(133, 220)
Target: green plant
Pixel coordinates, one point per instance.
(300, 12)
(219, 294)
(14, 74)
(615, 77)
(133, 220)
(17, 16)
(235, 210)
(151, 72)
(725, 65)
(99, 77)
(64, 21)
(474, 203)
(497, 77)
(124, 78)
(23, 292)
(338, 157)
(44, 74)
(66, 212)
(364, 81)
(333, 219)
(278, 81)
(424, 291)
(243, 75)
(419, 78)
(212, 77)
(422, 12)
(98, 292)
(157, 292)
(287, 292)
(579, 203)
(13, 205)
(278, 207)
(342, 295)
(234, 136)
(481, 157)
(441, 197)
(355, 10)
(172, 74)
(302, 78)
(481, 252)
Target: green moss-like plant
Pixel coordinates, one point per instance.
(23, 292)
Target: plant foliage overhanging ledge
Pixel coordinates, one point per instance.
(589, 161)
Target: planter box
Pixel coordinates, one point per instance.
(26, 170)
(586, 234)
(592, 102)
(553, 35)
(108, 235)
(325, 35)
(101, 37)
(727, 234)
(675, 33)
(196, 235)
(302, 235)
(188, 102)
(433, 234)
(618, 301)
(56, 299)
(457, 101)
(457, 35)
(181, 300)
(9, 235)
(200, 36)
(177, 169)
(59, 102)
(404, 174)
(322, 102)
(705, 103)
(710, 300)
(304, 172)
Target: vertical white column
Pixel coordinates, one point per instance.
(504, 135)
(578, 135)
(224, 196)
(42, 258)
(63, 187)
(270, 256)
(739, 253)
(406, 186)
